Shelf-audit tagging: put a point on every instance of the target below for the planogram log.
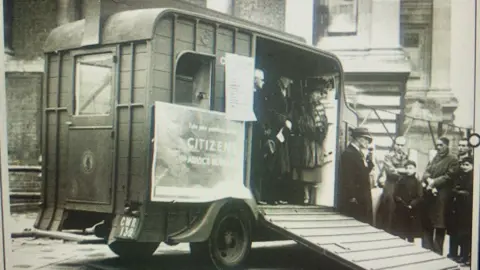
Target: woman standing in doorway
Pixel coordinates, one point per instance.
(312, 126)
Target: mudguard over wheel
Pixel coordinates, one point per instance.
(132, 250)
(229, 243)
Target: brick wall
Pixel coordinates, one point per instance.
(270, 13)
(23, 127)
(23, 112)
(32, 22)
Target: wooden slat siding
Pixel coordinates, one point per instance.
(349, 241)
(58, 96)
(130, 165)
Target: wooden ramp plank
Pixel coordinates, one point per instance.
(349, 241)
(323, 224)
(350, 238)
(377, 245)
(366, 255)
(440, 264)
(410, 260)
(333, 231)
(307, 218)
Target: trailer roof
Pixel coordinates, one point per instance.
(138, 23)
(131, 23)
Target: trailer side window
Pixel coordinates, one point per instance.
(194, 80)
(93, 84)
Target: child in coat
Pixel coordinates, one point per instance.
(407, 194)
(461, 209)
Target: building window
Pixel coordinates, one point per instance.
(93, 84)
(7, 25)
(411, 40)
(342, 17)
(334, 18)
(224, 6)
(414, 40)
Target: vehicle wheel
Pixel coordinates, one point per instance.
(230, 241)
(133, 250)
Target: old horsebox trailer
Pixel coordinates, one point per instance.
(134, 108)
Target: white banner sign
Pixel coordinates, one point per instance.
(239, 80)
(198, 155)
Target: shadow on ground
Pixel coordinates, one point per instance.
(278, 258)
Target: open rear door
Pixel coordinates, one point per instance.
(348, 241)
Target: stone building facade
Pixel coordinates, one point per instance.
(400, 58)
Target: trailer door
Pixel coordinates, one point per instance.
(91, 133)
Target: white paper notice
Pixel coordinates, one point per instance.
(239, 80)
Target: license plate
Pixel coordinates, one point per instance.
(128, 227)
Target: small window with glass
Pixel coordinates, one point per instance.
(93, 84)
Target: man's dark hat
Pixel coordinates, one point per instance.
(467, 160)
(361, 132)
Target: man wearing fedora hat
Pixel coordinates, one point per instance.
(354, 190)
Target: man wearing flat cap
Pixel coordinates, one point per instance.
(354, 190)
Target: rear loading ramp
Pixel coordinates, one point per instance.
(349, 242)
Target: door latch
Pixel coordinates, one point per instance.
(68, 123)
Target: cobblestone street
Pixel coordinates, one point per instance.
(43, 253)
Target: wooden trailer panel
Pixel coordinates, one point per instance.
(56, 103)
(132, 138)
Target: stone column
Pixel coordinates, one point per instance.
(385, 24)
(299, 13)
(440, 78)
(462, 64)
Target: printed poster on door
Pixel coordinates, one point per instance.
(198, 155)
(239, 87)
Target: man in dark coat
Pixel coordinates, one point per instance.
(437, 182)
(354, 190)
(259, 140)
(277, 116)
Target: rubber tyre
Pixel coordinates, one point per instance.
(132, 250)
(238, 225)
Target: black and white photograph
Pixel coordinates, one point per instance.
(240, 135)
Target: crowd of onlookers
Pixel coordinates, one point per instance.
(427, 205)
